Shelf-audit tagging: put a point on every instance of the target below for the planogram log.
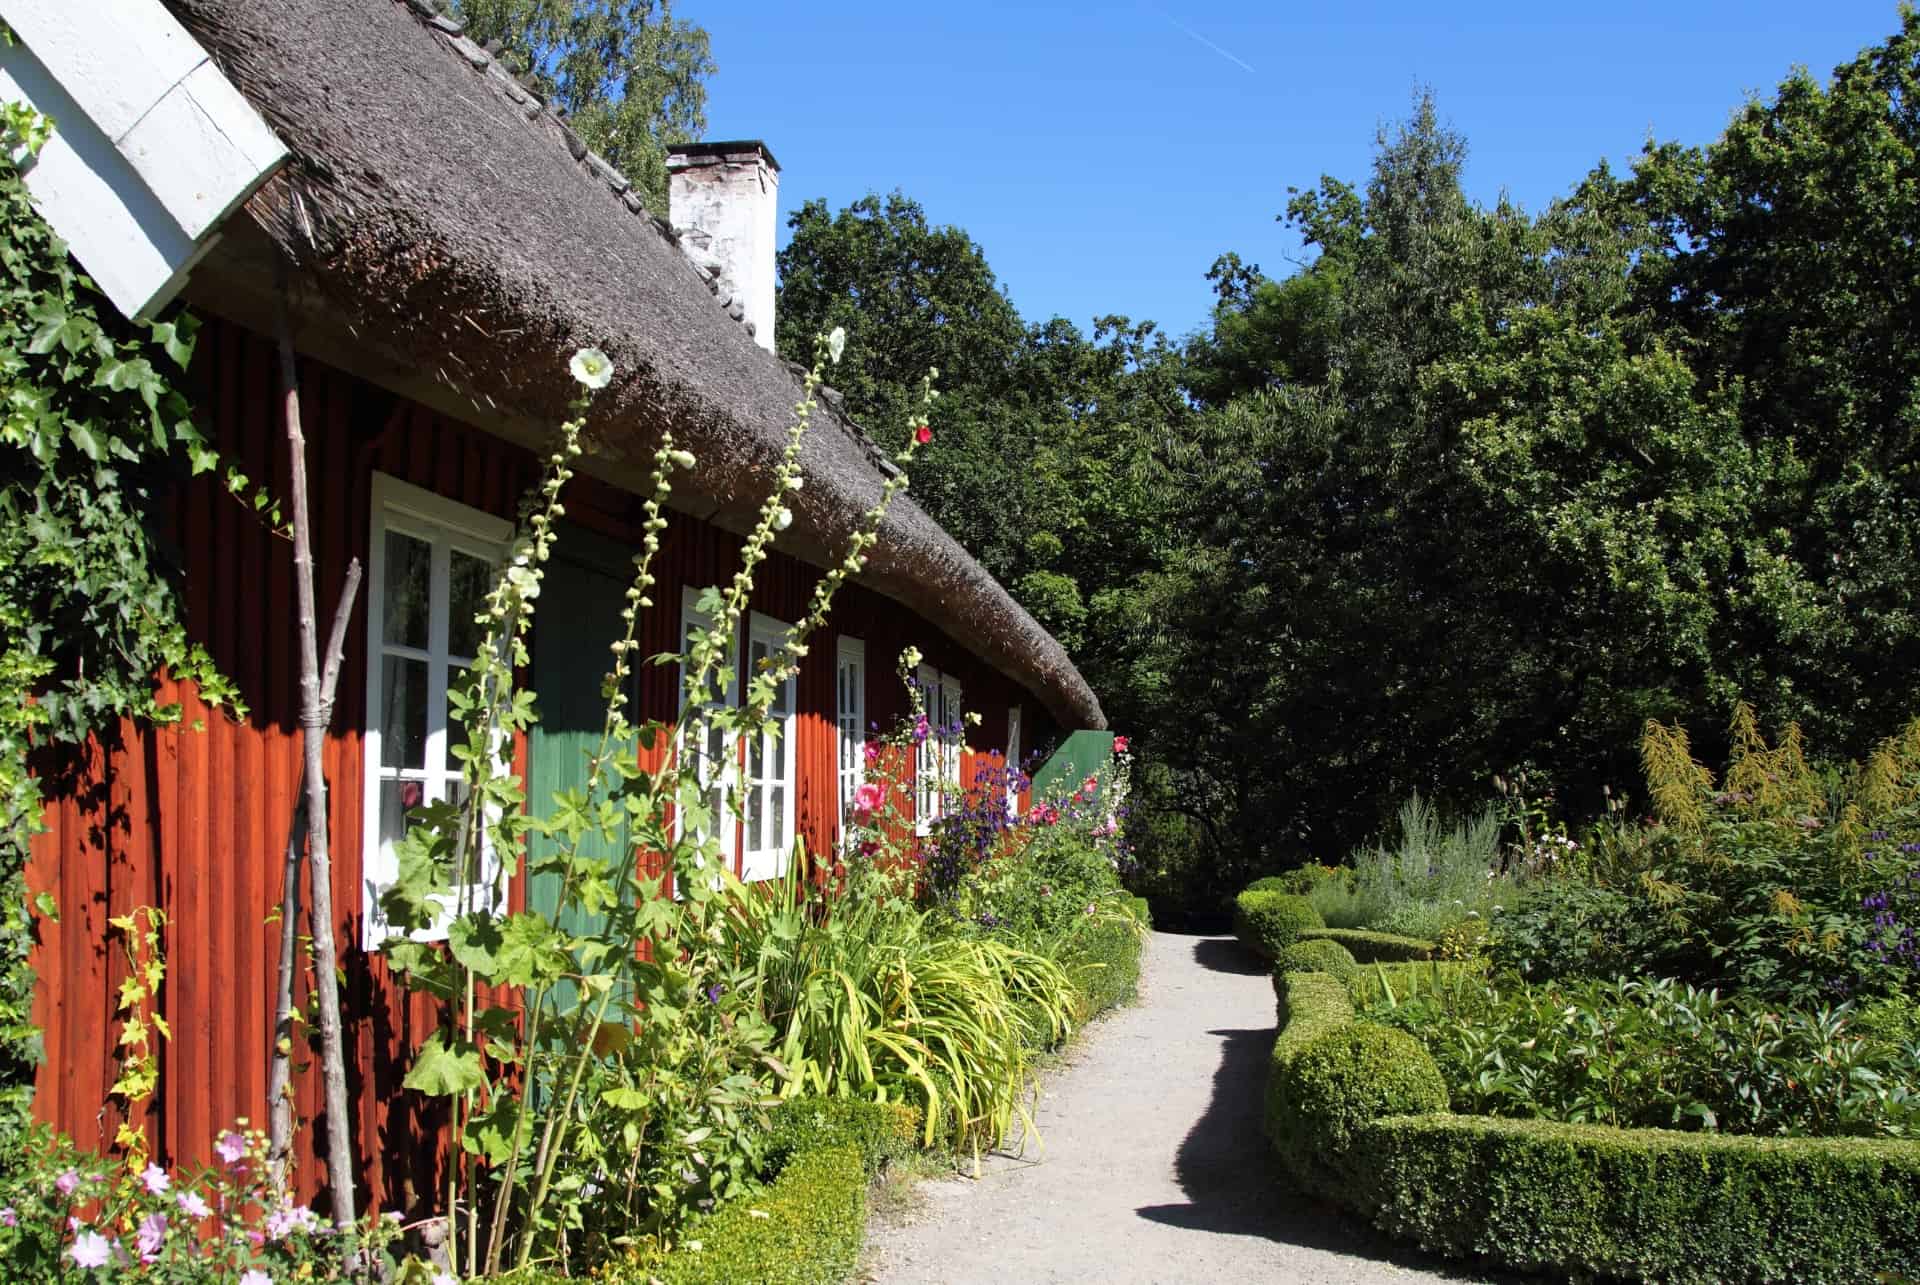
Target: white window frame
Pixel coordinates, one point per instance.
(443, 525)
(850, 722)
(936, 765)
(1012, 764)
(775, 745)
(690, 617)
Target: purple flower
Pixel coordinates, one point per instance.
(91, 1249)
(714, 992)
(152, 1235)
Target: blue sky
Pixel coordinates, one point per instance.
(1104, 154)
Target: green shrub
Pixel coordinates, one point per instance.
(1311, 1005)
(1372, 948)
(1340, 1081)
(1319, 956)
(1269, 922)
(1390, 985)
(1643, 1204)
(1662, 1054)
(804, 1229)
(879, 1131)
(1272, 883)
(1102, 956)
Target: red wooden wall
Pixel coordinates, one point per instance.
(195, 821)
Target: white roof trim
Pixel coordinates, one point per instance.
(153, 147)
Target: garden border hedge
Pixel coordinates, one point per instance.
(1374, 948)
(1572, 1198)
(1267, 922)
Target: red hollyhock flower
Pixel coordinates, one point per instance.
(923, 435)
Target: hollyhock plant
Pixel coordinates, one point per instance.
(62, 1218)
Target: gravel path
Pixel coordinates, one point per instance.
(1154, 1166)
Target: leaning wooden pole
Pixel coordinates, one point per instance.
(280, 1067)
(313, 730)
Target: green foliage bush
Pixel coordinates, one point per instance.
(1102, 956)
(1340, 1081)
(1269, 922)
(1662, 1054)
(1317, 956)
(806, 1228)
(880, 1131)
(1643, 1204)
(1372, 947)
(1398, 983)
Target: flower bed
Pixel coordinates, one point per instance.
(1570, 1198)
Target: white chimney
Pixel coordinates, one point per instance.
(724, 203)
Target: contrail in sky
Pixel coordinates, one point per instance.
(1235, 59)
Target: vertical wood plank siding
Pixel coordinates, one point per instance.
(194, 821)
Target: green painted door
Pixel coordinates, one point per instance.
(1078, 757)
(577, 622)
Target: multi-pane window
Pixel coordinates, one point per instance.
(709, 743)
(771, 759)
(431, 563)
(850, 720)
(1013, 758)
(936, 767)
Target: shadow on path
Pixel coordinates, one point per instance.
(1225, 955)
(1233, 1182)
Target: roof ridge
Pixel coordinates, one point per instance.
(518, 90)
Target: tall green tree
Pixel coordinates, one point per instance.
(630, 75)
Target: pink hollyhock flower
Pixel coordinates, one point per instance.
(91, 1249)
(155, 1180)
(254, 1276)
(231, 1148)
(67, 1183)
(191, 1204)
(151, 1236)
(871, 752)
(867, 800)
(1119, 745)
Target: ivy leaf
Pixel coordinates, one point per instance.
(443, 1072)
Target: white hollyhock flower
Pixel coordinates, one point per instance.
(837, 343)
(783, 519)
(593, 368)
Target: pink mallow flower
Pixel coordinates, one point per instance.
(155, 1180)
(90, 1249)
(231, 1148)
(254, 1276)
(191, 1204)
(8, 1218)
(151, 1236)
(68, 1182)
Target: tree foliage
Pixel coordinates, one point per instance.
(630, 75)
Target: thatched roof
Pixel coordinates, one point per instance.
(464, 233)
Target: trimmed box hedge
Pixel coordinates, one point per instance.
(1647, 1204)
(1104, 960)
(1268, 922)
(1570, 1199)
(805, 1229)
(1318, 956)
(808, 1224)
(1373, 948)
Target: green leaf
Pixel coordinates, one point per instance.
(441, 1071)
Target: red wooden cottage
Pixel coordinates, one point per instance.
(447, 243)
